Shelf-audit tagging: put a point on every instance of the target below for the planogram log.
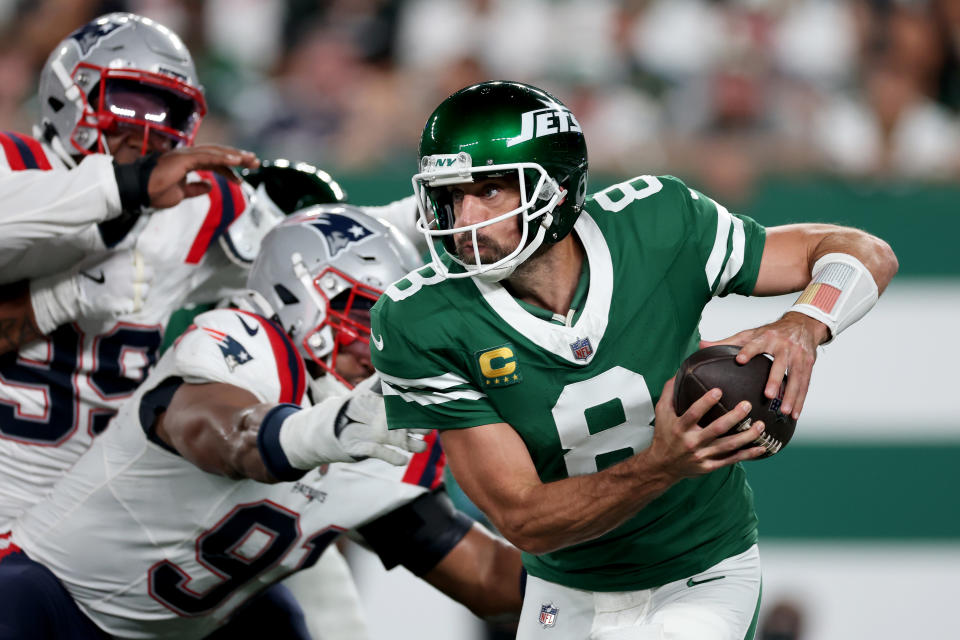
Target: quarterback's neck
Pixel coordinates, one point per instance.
(549, 280)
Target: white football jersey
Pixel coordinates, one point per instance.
(49, 213)
(150, 546)
(57, 394)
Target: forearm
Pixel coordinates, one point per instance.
(791, 251)
(483, 573)
(875, 254)
(47, 204)
(592, 505)
(17, 323)
(216, 426)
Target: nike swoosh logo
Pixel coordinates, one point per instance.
(692, 583)
(100, 279)
(377, 341)
(250, 331)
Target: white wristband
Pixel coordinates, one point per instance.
(840, 292)
(308, 437)
(55, 300)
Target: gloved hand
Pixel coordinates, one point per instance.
(100, 286)
(347, 429)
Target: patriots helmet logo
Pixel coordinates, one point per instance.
(234, 353)
(89, 34)
(339, 231)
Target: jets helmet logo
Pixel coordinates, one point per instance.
(90, 34)
(555, 118)
(340, 231)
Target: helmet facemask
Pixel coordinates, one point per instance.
(539, 195)
(139, 100)
(343, 317)
(321, 270)
(115, 73)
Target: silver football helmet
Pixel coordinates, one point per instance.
(274, 190)
(321, 270)
(119, 70)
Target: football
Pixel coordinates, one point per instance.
(717, 367)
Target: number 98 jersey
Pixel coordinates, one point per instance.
(58, 393)
(150, 546)
(580, 391)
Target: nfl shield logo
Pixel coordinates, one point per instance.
(548, 615)
(581, 348)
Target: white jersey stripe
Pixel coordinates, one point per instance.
(737, 256)
(444, 381)
(719, 251)
(426, 398)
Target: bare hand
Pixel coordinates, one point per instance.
(168, 184)
(684, 449)
(792, 341)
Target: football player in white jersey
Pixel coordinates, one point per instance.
(211, 484)
(119, 105)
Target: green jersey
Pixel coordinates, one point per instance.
(459, 353)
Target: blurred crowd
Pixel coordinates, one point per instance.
(722, 90)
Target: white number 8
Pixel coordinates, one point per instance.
(571, 417)
(628, 192)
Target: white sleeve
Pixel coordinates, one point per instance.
(243, 349)
(37, 205)
(403, 215)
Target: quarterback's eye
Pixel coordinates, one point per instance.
(491, 189)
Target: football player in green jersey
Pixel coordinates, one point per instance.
(543, 338)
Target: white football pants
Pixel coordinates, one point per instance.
(720, 603)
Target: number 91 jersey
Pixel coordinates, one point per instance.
(150, 546)
(580, 391)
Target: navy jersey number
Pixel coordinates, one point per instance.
(220, 550)
(56, 379)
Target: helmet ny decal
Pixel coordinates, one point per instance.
(340, 231)
(89, 34)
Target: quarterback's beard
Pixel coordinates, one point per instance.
(490, 251)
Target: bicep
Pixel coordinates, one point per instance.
(492, 466)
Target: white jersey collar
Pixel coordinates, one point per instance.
(579, 343)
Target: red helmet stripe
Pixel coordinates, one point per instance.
(290, 369)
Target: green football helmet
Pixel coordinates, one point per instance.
(292, 186)
(501, 129)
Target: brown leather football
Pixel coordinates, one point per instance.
(717, 367)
